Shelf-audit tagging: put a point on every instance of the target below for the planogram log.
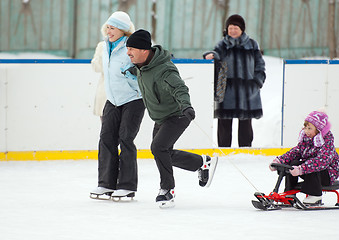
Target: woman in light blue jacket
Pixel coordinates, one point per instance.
(122, 115)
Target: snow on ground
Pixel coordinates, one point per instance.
(50, 200)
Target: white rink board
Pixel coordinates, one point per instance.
(3, 103)
(199, 79)
(333, 98)
(309, 85)
(49, 107)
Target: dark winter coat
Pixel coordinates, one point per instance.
(164, 92)
(315, 159)
(245, 77)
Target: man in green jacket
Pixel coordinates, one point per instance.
(168, 103)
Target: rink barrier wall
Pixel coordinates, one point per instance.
(18, 142)
(314, 82)
(46, 105)
(141, 154)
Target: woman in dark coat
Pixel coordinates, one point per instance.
(240, 74)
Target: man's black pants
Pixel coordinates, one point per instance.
(164, 137)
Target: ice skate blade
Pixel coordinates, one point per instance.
(105, 196)
(214, 163)
(128, 197)
(166, 204)
(123, 199)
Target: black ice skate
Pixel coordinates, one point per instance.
(165, 198)
(206, 171)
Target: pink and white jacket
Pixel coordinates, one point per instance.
(315, 159)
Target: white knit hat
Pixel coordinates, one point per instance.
(120, 20)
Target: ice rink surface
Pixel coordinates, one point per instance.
(50, 200)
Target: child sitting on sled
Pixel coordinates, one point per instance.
(314, 159)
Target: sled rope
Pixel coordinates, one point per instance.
(217, 147)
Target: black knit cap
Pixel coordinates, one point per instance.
(140, 39)
(236, 20)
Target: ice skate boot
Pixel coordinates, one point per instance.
(312, 200)
(101, 193)
(206, 171)
(122, 193)
(165, 198)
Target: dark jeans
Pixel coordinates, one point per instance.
(164, 137)
(245, 132)
(312, 183)
(120, 126)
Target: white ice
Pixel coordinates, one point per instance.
(50, 200)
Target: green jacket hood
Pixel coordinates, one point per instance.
(161, 56)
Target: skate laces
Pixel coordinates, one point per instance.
(163, 191)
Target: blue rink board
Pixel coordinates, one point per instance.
(311, 61)
(87, 61)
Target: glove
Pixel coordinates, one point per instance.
(296, 171)
(130, 73)
(276, 160)
(133, 70)
(189, 113)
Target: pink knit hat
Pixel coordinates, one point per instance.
(320, 121)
